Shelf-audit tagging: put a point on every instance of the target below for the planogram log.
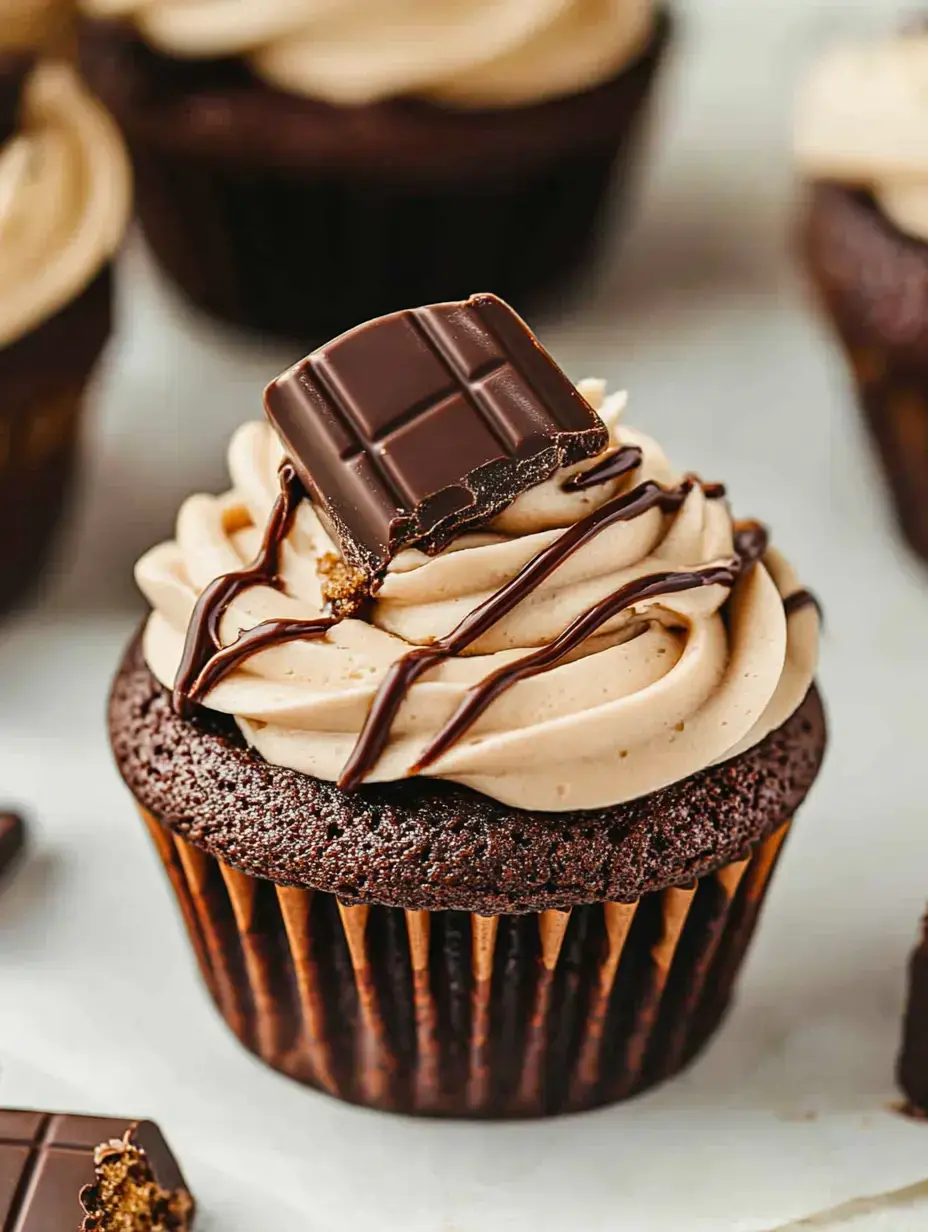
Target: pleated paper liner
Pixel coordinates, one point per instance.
(43, 377)
(895, 403)
(447, 1013)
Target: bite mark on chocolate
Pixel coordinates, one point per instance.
(413, 427)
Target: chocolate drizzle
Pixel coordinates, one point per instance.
(626, 459)
(485, 693)
(800, 599)
(203, 642)
(404, 673)
(250, 642)
(205, 661)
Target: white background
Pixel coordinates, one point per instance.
(702, 317)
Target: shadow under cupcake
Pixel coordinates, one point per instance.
(470, 773)
(300, 171)
(861, 147)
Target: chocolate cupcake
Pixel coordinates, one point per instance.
(64, 204)
(913, 1060)
(861, 129)
(302, 167)
(471, 784)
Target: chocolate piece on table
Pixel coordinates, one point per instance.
(15, 67)
(12, 838)
(423, 423)
(61, 1173)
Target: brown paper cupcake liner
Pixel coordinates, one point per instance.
(453, 1014)
(894, 400)
(43, 377)
(307, 250)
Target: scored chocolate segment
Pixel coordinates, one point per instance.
(418, 425)
(15, 67)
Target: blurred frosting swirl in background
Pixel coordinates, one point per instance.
(30, 24)
(64, 199)
(470, 53)
(674, 684)
(863, 122)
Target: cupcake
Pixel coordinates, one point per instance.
(64, 204)
(913, 1060)
(468, 729)
(861, 146)
(422, 148)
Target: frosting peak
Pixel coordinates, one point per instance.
(470, 53)
(701, 663)
(863, 121)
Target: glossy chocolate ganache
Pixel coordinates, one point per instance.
(609, 632)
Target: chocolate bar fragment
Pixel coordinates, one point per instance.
(913, 1061)
(418, 425)
(61, 1173)
(12, 838)
(15, 67)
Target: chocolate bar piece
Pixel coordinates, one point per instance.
(61, 1173)
(15, 67)
(12, 837)
(418, 425)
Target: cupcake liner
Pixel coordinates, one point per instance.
(306, 251)
(894, 399)
(43, 377)
(455, 1014)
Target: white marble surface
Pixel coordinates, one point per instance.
(788, 1115)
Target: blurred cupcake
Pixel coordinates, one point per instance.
(305, 165)
(861, 140)
(494, 841)
(64, 205)
(913, 1060)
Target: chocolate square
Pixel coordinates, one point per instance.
(414, 427)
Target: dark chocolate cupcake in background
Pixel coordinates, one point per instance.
(861, 138)
(303, 166)
(64, 206)
(470, 773)
(913, 1060)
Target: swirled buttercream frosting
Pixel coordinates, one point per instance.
(64, 199)
(863, 121)
(470, 53)
(660, 644)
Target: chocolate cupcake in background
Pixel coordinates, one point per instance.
(303, 166)
(861, 146)
(64, 205)
(485, 828)
(913, 1060)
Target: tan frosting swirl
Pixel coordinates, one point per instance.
(662, 691)
(64, 199)
(471, 53)
(863, 121)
